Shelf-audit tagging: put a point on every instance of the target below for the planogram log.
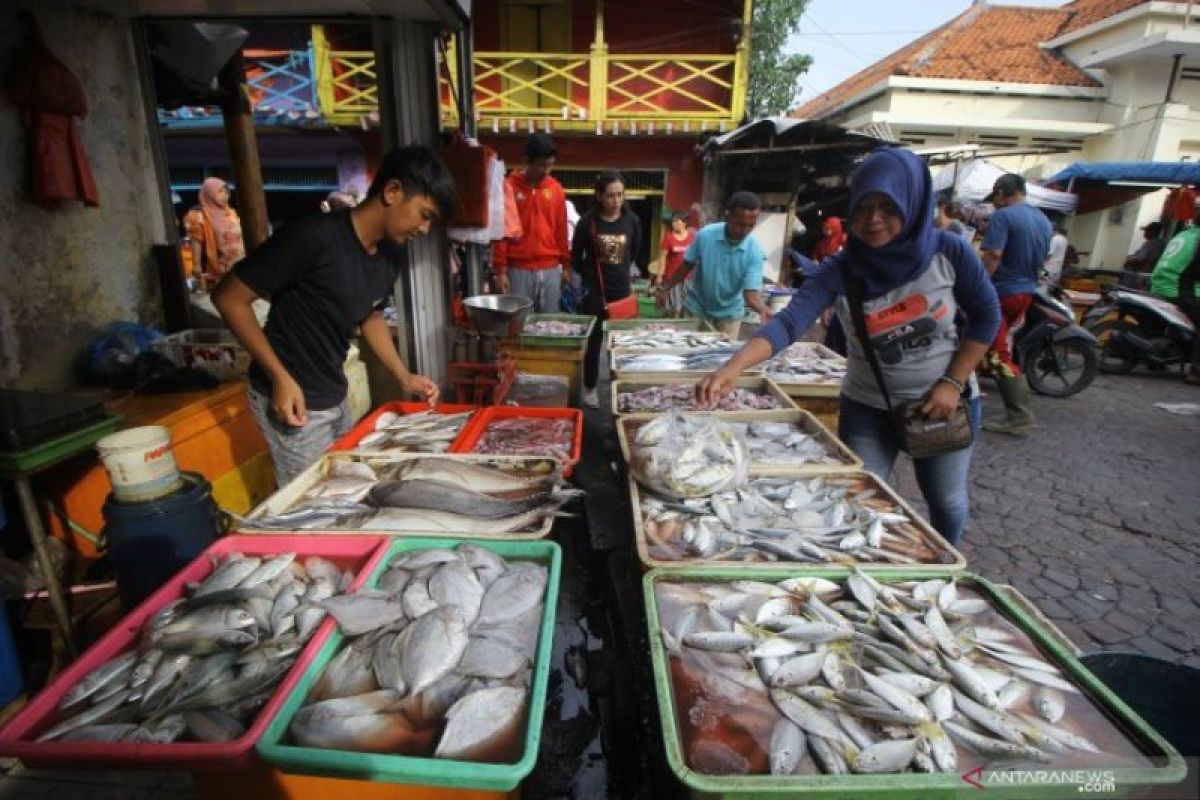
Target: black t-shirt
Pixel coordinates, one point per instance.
(614, 244)
(322, 283)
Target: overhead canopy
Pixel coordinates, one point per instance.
(1104, 184)
(789, 134)
(973, 180)
(1156, 173)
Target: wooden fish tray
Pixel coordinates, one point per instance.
(610, 344)
(628, 424)
(949, 558)
(1164, 764)
(830, 388)
(289, 495)
(759, 384)
(628, 374)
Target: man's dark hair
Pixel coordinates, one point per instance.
(540, 145)
(1009, 184)
(606, 179)
(419, 172)
(679, 214)
(743, 200)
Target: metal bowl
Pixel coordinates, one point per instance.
(495, 313)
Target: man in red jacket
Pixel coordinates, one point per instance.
(537, 264)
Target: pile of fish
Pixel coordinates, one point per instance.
(783, 443)
(437, 662)
(206, 664)
(659, 339)
(426, 495)
(705, 358)
(804, 362)
(528, 436)
(683, 396)
(554, 327)
(820, 520)
(864, 677)
(687, 455)
(422, 432)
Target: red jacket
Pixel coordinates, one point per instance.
(543, 211)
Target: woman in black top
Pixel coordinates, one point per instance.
(606, 238)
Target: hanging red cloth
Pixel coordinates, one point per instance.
(49, 96)
(832, 240)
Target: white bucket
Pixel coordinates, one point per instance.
(140, 463)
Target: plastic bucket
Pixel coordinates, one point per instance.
(149, 542)
(140, 463)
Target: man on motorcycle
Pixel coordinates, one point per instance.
(1175, 279)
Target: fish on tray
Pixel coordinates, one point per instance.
(683, 396)
(437, 662)
(808, 675)
(783, 443)
(422, 432)
(528, 436)
(696, 359)
(803, 362)
(659, 339)
(819, 520)
(554, 327)
(207, 663)
(426, 495)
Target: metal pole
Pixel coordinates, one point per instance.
(465, 53)
(37, 537)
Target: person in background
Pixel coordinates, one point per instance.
(1151, 249)
(833, 239)
(946, 217)
(728, 262)
(338, 201)
(1014, 250)
(215, 232)
(675, 244)
(1052, 268)
(607, 239)
(1179, 208)
(916, 280)
(1176, 277)
(325, 277)
(535, 265)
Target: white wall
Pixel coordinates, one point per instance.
(65, 273)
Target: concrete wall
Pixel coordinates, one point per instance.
(66, 273)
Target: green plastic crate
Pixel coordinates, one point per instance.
(648, 307)
(442, 772)
(911, 786)
(38, 457)
(530, 340)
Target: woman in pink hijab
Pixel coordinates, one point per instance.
(215, 230)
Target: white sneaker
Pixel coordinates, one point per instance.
(591, 398)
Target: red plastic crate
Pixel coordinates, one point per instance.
(367, 424)
(479, 423)
(18, 737)
(483, 384)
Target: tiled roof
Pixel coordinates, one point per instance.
(984, 43)
(1085, 12)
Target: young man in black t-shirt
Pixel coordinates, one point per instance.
(324, 277)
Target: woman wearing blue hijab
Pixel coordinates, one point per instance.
(917, 284)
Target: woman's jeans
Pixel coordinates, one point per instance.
(943, 479)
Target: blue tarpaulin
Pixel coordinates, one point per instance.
(1165, 173)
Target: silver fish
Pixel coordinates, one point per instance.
(436, 644)
(92, 715)
(787, 747)
(889, 756)
(116, 671)
(478, 722)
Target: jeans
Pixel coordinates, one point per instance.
(542, 286)
(295, 449)
(943, 479)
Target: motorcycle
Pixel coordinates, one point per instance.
(1139, 328)
(1059, 358)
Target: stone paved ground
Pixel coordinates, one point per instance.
(1095, 517)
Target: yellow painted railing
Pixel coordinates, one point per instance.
(347, 87)
(583, 91)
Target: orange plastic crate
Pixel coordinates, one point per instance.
(479, 423)
(367, 424)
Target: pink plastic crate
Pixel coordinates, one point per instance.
(18, 737)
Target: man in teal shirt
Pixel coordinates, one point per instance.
(725, 263)
(1176, 277)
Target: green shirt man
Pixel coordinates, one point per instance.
(1178, 266)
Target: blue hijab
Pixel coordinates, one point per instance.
(905, 179)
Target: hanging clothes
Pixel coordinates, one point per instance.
(49, 97)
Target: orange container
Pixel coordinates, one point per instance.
(367, 425)
(262, 782)
(474, 431)
(212, 433)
